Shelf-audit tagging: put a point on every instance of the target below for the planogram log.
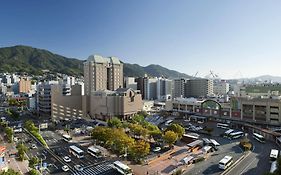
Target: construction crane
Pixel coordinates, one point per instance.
(212, 75)
(194, 76)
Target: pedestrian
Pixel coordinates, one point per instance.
(8, 160)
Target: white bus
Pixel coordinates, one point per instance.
(168, 122)
(214, 144)
(122, 168)
(225, 162)
(94, 152)
(273, 167)
(222, 125)
(66, 138)
(226, 134)
(258, 137)
(273, 154)
(235, 135)
(76, 151)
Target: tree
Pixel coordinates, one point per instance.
(9, 172)
(138, 119)
(33, 161)
(33, 172)
(178, 129)
(9, 133)
(30, 126)
(139, 150)
(21, 151)
(170, 137)
(138, 130)
(114, 123)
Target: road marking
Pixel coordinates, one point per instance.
(248, 165)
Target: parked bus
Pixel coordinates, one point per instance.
(258, 137)
(225, 162)
(222, 125)
(168, 122)
(94, 152)
(273, 154)
(206, 141)
(76, 151)
(226, 134)
(122, 168)
(235, 135)
(66, 138)
(214, 144)
(273, 167)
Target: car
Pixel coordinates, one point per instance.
(65, 168)
(78, 167)
(33, 146)
(66, 159)
(15, 139)
(156, 149)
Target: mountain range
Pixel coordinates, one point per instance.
(33, 60)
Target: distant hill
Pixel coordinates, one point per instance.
(263, 78)
(151, 70)
(32, 60)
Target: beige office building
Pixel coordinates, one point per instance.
(122, 103)
(263, 110)
(102, 104)
(102, 74)
(24, 85)
(65, 107)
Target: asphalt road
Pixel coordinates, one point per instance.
(59, 148)
(210, 165)
(258, 160)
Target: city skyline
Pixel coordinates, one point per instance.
(234, 39)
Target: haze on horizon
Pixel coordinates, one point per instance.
(233, 38)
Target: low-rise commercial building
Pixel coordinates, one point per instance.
(252, 110)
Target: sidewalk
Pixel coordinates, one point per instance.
(11, 162)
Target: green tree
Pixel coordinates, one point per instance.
(170, 137)
(30, 126)
(178, 129)
(33, 172)
(9, 172)
(114, 123)
(138, 119)
(139, 150)
(138, 130)
(22, 149)
(9, 133)
(33, 161)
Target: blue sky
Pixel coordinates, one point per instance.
(233, 38)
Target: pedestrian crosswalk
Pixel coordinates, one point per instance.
(102, 169)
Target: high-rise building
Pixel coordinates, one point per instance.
(198, 88)
(150, 88)
(140, 85)
(130, 83)
(164, 89)
(102, 74)
(221, 87)
(24, 85)
(179, 87)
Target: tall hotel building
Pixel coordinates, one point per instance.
(102, 74)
